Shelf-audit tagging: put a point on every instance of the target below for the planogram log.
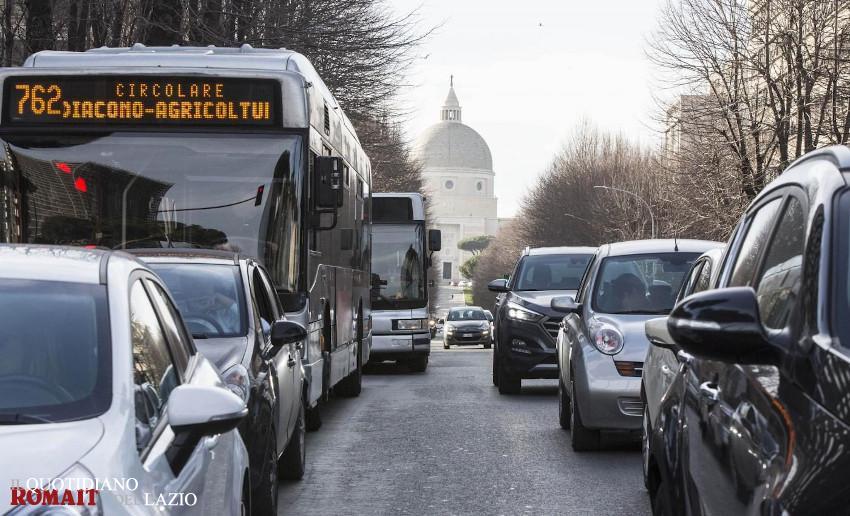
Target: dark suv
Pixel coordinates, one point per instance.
(525, 326)
(760, 406)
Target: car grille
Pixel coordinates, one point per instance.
(551, 326)
(631, 406)
(634, 369)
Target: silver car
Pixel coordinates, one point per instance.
(602, 344)
(101, 389)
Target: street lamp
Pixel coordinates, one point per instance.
(636, 196)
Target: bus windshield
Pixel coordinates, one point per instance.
(129, 190)
(398, 267)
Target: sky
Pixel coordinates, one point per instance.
(528, 72)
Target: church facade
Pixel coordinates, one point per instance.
(458, 175)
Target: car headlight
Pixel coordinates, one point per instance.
(236, 379)
(75, 478)
(449, 329)
(521, 313)
(606, 338)
(410, 324)
(432, 323)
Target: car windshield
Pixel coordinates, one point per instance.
(210, 297)
(640, 284)
(54, 351)
(469, 314)
(130, 190)
(398, 279)
(551, 272)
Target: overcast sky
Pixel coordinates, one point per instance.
(526, 72)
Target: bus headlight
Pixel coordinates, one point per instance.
(411, 324)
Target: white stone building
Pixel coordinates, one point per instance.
(458, 174)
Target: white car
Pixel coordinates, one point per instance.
(101, 390)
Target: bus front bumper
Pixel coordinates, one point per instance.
(396, 346)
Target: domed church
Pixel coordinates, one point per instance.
(458, 175)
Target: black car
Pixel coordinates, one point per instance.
(525, 326)
(761, 403)
(466, 326)
(228, 303)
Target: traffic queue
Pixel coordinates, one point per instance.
(725, 361)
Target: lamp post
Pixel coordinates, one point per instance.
(636, 196)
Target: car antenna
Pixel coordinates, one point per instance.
(675, 242)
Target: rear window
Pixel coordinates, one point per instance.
(210, 297)
(55, 351)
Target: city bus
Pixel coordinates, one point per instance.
(401, 247)
(237, 149)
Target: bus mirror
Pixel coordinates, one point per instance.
(434, 240)
(327, 185)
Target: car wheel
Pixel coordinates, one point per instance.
(495, 369)
(581, 437)
(264, 496)
(294, 459)
(487, 346)
(446, 345)
(509, 383)
(661, 501)
(645, 446)
(418, 364)
(313, 419)
(563, 406)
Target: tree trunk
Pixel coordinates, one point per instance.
(39, 25)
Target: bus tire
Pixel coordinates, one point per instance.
(351, 385)
(312, 418)
(418, 364)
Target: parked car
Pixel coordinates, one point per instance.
(230, 308)
(662, 364)
(602, 344)
(525, 325)
(763, 390)
(489, 315)
(466, 326)
(101, 381)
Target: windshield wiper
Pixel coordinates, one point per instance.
(22, 419)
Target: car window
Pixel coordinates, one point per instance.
(689, 285)
(551, 272)
(264, 304)
(271, 293)
(172, 324)
(753, 245)
(467, 315)
(703, 282)
(642, 283)
(154, 374)
(779, 282)
(585, 279)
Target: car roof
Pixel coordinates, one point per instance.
(458, 308)
(536, 251)
(187, 255)
(662, 245)
(57, 263)
(837, 155)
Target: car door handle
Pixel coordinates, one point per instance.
(709, 391)
(684, 358)
(212, 441)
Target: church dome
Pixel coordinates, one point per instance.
(452, 144)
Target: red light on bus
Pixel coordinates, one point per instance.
(63, 167)
(90, 246)
(80, 184)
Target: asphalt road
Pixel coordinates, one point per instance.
(445, 442)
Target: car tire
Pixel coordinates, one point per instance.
(509, 383)
(294, 459)
(264, 487)
(487, 346)
(495, 369)
(581, 437)
(563, 406)
(661, 501)
(645, 446)
(313, 418)
(446, 345)
(418, 364)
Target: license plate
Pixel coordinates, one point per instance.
(468, 335)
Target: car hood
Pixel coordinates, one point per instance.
(223, 353)
(469, 325)
(633, 328)
(541, 300)
(43, 451)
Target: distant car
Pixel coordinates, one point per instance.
(602, 343)
(231, 309)
(466, 326)
(759, 406)
(101, 381)
(662, 362)
(525, 324)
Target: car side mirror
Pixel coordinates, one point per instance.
(197, 411)
(287, 332)
(435, 240)
(565, 304)
(658, 335)
(724, 325)
(498, 285)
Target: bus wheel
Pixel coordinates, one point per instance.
(418, 364)
(351, 385)
(312, 418)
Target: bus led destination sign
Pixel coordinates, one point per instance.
(141, 100)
